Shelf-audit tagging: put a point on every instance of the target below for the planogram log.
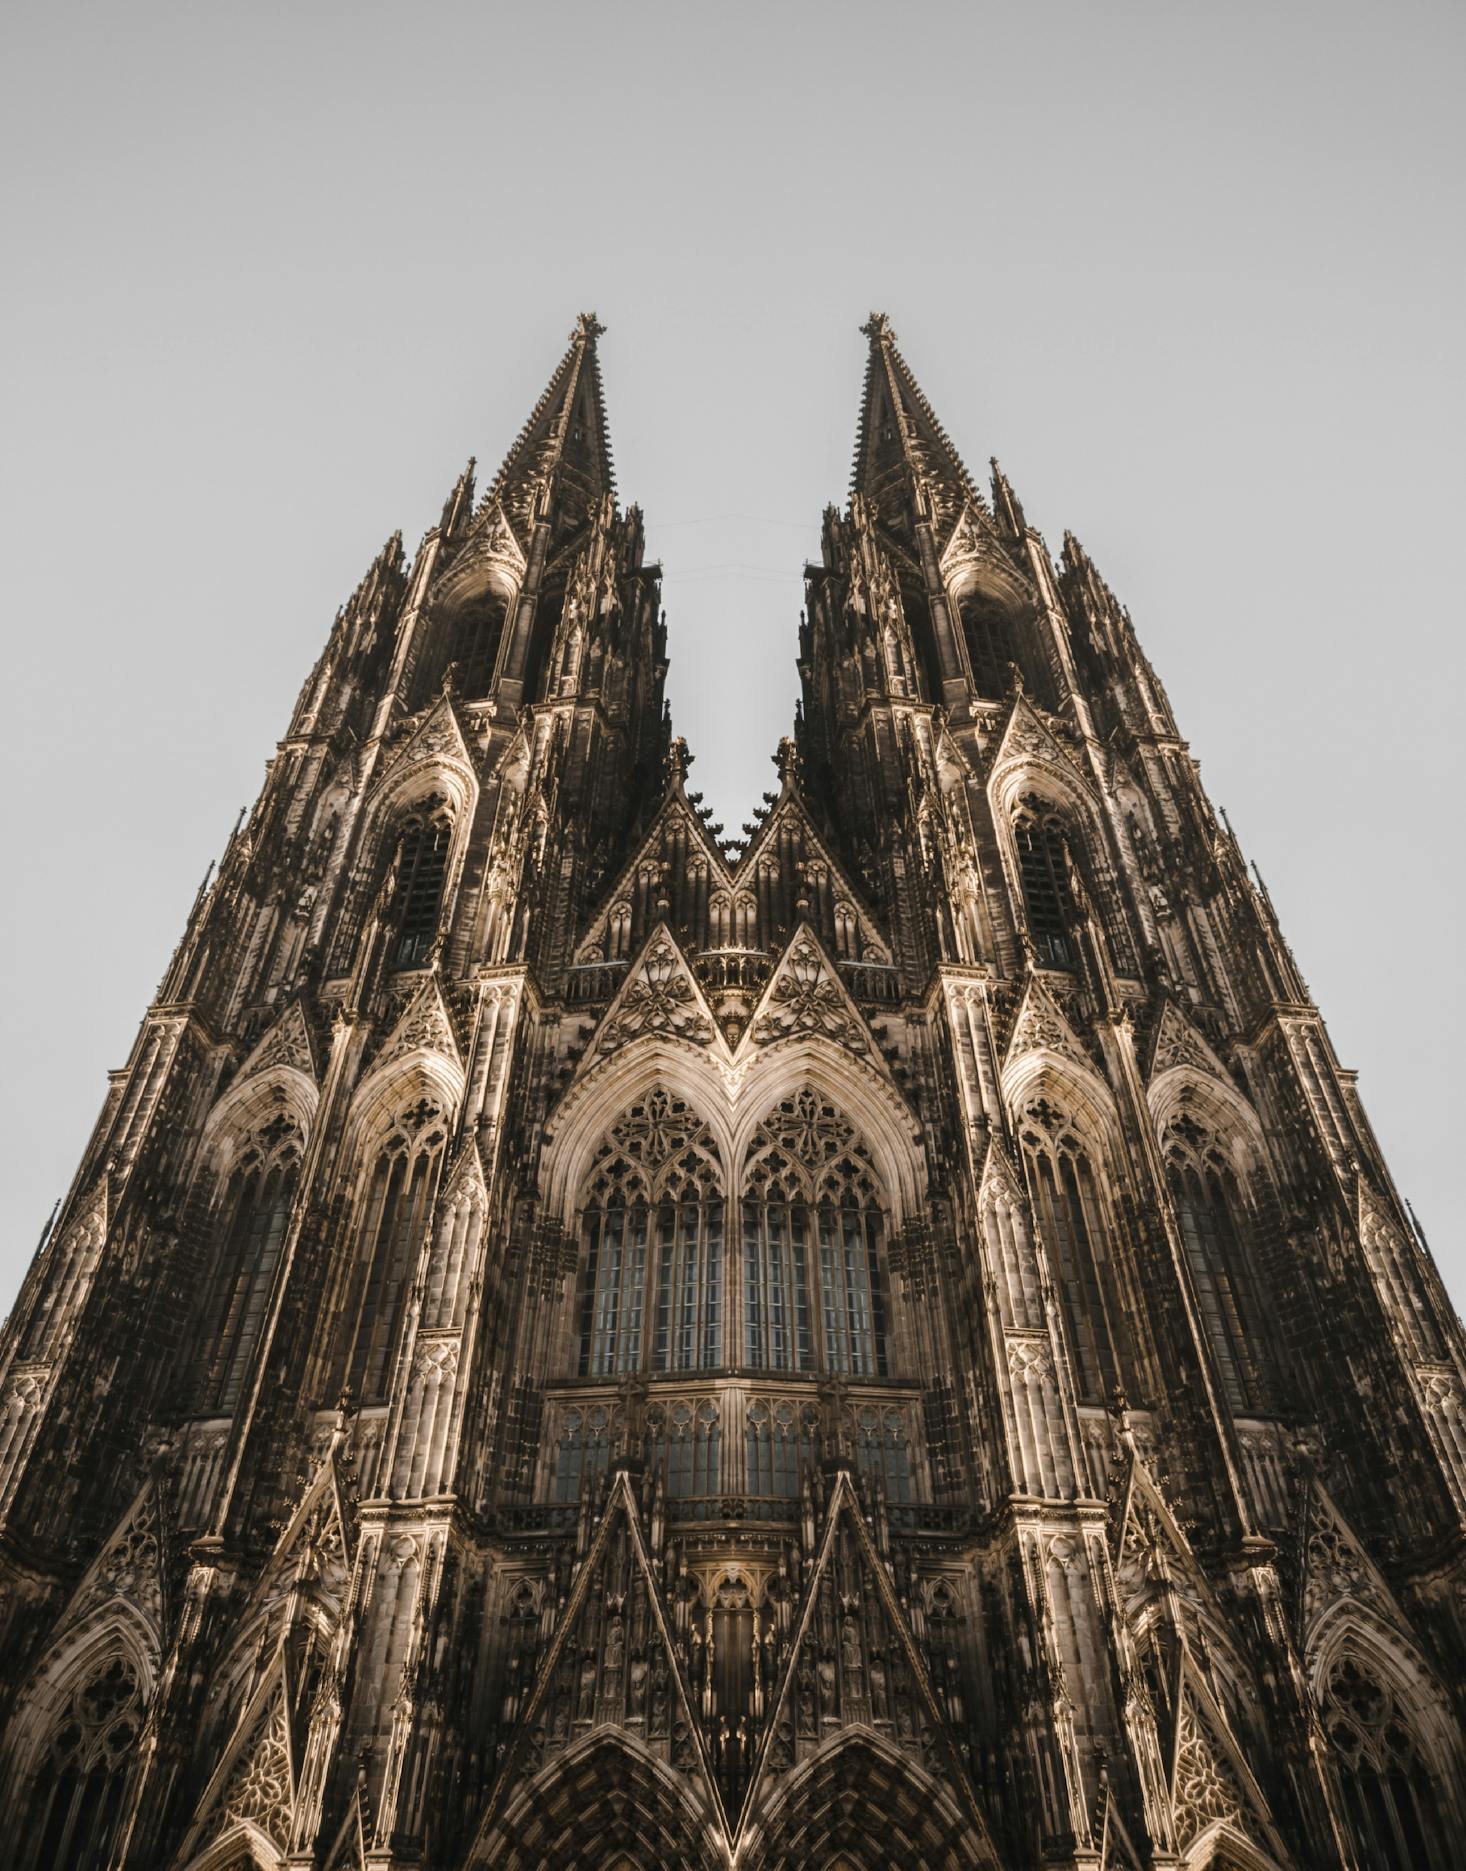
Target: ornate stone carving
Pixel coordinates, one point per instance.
(660, 996)
(806, 996)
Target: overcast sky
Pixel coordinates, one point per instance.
(1195, 275)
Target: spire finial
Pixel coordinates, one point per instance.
(879, 329)
(587, 329)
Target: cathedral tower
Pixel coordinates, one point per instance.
(577, 1341)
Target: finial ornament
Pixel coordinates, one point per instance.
(879, 329)
(587, 329)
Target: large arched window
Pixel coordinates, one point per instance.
(422, 862)
(651, 1284)
(474, 644)
(987, 628)
(77, 1795)
(399, 1199)
(1043, 866)
(1216, 1230)
(1066, 1202)
(253, 1215)
(1386, 1787)
(813, 1287)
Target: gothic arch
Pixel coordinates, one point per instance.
(416, 774)
(1221, 1847)
(399, 1130)
(1077, 1088)
(1053, 780)
(1348, 1640)
(868, 1099)
(1069, 1155)
(1056, 782)
(387, 1089)
(609, 1789)
(592, 1103)
(863, 1800)
(248, 1104)
(116, 1629)
(240, 1847)
(1187, 1087)
(73, 1742)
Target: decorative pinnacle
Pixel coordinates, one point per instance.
(879, 329)
(587, 329)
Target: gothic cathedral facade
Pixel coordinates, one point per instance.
(578, 1341)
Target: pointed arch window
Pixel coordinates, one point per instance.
(1216, 1231)
(813, 1282)
(987, 629)
(1043, 867)
(651, 1282)
(1066, 1203)
(78, 1791)
(1387, 1789)
(403, 1181)
(254, 1213)
(422, 864)
(474, 644)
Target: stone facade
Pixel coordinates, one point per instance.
(579, 1341)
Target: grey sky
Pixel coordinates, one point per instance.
(1195, 275)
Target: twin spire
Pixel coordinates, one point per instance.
(566, 443)
(902, 452)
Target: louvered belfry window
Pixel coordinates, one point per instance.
(1043, 864)
(253, 1214)
(422, 861)
(1071, 1220)
(1216, 1232)
(404, 1179)
(988, 632)
(477, 631)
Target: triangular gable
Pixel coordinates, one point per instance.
(287, 1043)
(466, 1179)
(1210, 1781)
(659, 995)
(612, 1662)
(805, 995)
(254, 1783)
(972, 537)
(1027, 736)
(494, 535)
(349, 1848)
(1178, 1042)
(437, 736)
(1000, 1181)
(316, 1549)
(1332, 1568)
(674, 813)
(1041, 1026)
(764, 845)
(1147, 1545)
(853, 1662)
(425, 1026)
(131, 1566)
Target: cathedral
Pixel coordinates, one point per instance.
(882, 1343)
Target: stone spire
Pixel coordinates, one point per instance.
(563, 452)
